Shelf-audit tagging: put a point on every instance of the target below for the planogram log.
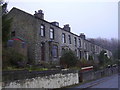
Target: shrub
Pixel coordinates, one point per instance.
(90, 58)
(11, 58)
(83, 62)
(103, 59)
(68, 59)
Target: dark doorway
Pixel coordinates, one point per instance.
(42, 51)
(80, 53)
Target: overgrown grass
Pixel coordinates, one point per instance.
(12, 68)
(36, 69)
(26, 68)
(75, 68)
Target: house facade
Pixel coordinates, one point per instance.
(46, 41)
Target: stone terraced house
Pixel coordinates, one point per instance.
(46, 40)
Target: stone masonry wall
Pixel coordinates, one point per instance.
(91, 75)
(51, 78)
(25, 27)
(57, 80)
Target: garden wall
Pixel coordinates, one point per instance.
(45, 79)
(51, 78)
(91, 75)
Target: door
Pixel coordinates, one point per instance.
(43, 51)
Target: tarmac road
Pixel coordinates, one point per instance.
(111, 82)
(106, 82)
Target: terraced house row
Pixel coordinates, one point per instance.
(41, 40)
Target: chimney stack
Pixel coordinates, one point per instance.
(66, 27)
(39, 14)
(82, 35)
(55, 23)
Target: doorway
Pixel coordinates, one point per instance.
(42, 51)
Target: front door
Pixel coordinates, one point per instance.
(43, 51)
(80, 53)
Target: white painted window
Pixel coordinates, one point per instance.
(51, 33)
(63, 38)
(42, 30)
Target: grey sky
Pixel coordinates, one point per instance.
(95, 19)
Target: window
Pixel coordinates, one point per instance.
(42, 51)
(10, 43)
(23, 44)
(12, 33)
(75, 52)
(79, 43)
(84, 45)
(69, 38)
(62, 52)
(75, 39)
(80, 53)
(54, 51)
(42, 30)
(91, 47)
(63, 38)
(51, 33)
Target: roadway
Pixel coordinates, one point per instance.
(110, 82)
(106, 82)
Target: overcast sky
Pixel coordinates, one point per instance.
(95, 19)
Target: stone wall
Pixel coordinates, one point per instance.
(48, 79)
(25, 27)
(51, 78)
(91, 75)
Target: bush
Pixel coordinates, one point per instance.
(84, 63)
(103, 59)
(11, 58)
(90, 58)
(68, 59)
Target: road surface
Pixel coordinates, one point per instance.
(111, 82)
(106, 82)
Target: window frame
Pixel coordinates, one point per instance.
(23, 44)
(63, 38)
(55, 51)
(75, 41)
(10, 43)
(76, 52)
(51, 32)
(13, 34)
(42, 30)
(80, 44)
(69, 38)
